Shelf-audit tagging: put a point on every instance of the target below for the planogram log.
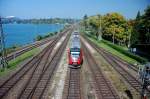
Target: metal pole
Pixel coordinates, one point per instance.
(100, 29)
(14, 55)
(148, 36)
(129, 40)
(2, 47)
(114, 37)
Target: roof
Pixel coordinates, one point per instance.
(75, 43)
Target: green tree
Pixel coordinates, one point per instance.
(132, 37)
(141, 27)
(115, 28)
(85, 21)
(138, 15)
(146, 23)
(95, 23)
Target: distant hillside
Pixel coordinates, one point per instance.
(10, 19)
(13, 19)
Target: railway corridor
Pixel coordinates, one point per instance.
(102, 86)
(32, 80)
(48, 76)
(121, 74)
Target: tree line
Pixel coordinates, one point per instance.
(116, 28)
(39, 21)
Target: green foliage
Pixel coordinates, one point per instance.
(138, 15)
(112, 26)
(95, 24)
(121, 50)
(41, 21)
(142, 27)
(57, 32)
(13, 63)
(132, 34)
(118, 50)
(115, 27)
(21, 58)
(85, 21)
(11, 49)
(39, 37)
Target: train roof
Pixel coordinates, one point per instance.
(75, 33)
(75, 42)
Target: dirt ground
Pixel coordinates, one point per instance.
(117, 81)
(56, 89)
(88, 90)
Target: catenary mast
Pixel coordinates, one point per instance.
(3, 61)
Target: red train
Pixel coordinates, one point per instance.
(75, 57)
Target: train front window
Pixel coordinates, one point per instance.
(75, 54)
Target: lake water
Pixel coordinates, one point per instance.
(21, 34)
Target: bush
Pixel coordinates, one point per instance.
(51, 34)
(39, 37)
(61, 30)
(129, 54)
(89, 34)
(46, 36)
(55, 33)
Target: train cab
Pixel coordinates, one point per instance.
(75, 56)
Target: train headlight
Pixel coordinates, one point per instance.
(148, 87)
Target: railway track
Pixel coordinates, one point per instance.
(12, 81)
(38, 82)
(130, 66)
(118, 66)
(104, 88)
(39, 73)
(24, 49)
(72, 88)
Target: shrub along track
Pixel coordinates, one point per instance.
(41, 72)
(24, 49)
(103, 87)
(118, 64)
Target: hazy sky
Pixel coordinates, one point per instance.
(70, 8)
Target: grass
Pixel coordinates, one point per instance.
(14, 63)
(113, 51)
(125, 52)
(121, 47)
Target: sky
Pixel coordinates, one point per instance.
(70, 8)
